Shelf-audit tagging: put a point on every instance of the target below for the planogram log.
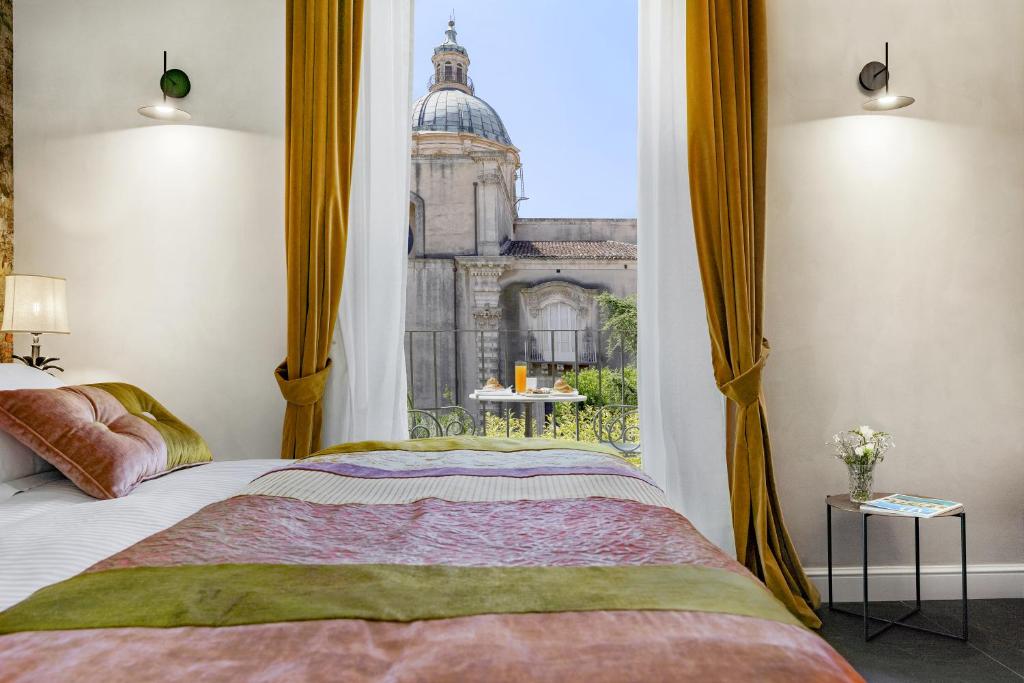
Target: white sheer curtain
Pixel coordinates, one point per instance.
(365, 395)
(682, 413)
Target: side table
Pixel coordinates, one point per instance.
(843, 503)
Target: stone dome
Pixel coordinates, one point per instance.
(455, 111)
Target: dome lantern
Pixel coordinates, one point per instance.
(451, 64)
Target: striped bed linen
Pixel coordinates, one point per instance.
(53, 532)
(326, 488)
(465, 559)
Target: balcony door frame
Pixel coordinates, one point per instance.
(560, 295)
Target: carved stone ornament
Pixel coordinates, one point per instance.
(580, 298)
(488, 317)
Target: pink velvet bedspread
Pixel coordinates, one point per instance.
(521, 529)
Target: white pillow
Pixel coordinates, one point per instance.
(17, 461)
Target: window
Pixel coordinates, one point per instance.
(560, 317)
(521, 298)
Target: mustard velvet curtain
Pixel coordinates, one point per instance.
(323, 47)
(726, 80)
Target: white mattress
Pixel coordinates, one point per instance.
(54, 531)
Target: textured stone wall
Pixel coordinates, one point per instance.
(618, 229)
(460, 220)
(6, 155)
(430, 305)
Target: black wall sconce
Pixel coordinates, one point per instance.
(874, 77)
(173, 83)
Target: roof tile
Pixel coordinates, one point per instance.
(569, 249)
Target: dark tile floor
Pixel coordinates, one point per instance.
(994, 652)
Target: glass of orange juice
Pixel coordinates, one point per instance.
(520, 377)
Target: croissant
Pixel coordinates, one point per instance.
(562, 387)
(494, 384)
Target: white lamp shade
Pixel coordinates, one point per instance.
(35, 303)
(887, 102)
(164, 112)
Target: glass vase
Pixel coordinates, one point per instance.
(861, 479)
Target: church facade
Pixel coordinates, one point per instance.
(487, 288)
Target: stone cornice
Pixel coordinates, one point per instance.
(577, 264)
(435, 142)
(483, 262)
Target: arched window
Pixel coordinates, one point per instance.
(447, 71)
(458, 74)
(560, 316)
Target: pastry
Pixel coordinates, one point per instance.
(493, 384)
(562, 387)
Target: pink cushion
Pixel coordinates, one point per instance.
(17, 460)
(95, 440)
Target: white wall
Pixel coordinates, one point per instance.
(894, 280)
(171, 237)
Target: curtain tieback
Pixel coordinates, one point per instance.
(745, 388)
(302, 391)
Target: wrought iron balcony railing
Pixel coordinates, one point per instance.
(465, 80)
(444, 367)
(558, 346)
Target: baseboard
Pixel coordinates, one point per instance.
(938, 582)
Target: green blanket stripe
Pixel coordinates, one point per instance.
(468, 443)
(236, 594)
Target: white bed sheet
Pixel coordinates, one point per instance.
(52, 532)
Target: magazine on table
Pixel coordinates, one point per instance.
(910, 506)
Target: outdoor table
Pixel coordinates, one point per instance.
(527, 401)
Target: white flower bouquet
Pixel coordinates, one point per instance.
(861, 449)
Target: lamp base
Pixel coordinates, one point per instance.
(38, 361)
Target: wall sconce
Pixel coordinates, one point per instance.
(173, 83)
(875, 76)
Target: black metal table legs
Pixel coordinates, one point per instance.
(900, 621)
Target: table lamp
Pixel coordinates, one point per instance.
(36, 304)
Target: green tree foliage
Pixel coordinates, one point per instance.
(604, 387)
(619, 315)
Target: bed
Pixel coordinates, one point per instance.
(435, 559)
